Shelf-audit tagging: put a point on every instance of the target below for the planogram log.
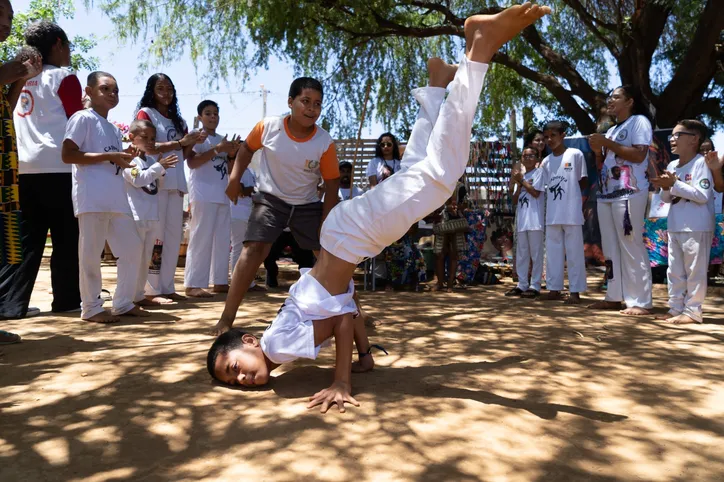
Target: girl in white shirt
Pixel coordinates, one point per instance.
(386, 161)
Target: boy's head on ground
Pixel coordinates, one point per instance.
(142, 133)
(208, 111)
(687, 137)
(236, 358)
(102, 90)
(345, 174)
(51, 41)
(305, 101)
(554, 133)
(706, 147)
(530, 158)
(387, 147)
(6, 19)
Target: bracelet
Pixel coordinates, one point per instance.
(180, 145)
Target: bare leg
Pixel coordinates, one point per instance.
(440, 270)
(251, 258)
(452, 265)
(365, 361)
(368, 319)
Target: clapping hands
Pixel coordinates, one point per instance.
(664, 180)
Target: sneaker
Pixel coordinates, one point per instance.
(32, 311)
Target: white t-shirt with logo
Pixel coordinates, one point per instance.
(242, 208)
(40, 119)
(207, 183)
(559, 177)
(290, 168)
(175, 178)
(620, 179)
(382, 168)
(531, 210)
(97, 188)
(345, 193)
(691, 197)
(142, 182)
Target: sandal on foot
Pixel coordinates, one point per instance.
(369, 350)
(530, 294)
(106, 295)
(514, 292)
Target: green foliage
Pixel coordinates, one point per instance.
(50, 10)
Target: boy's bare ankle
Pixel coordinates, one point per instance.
(440, 73)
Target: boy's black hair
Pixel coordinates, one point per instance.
(395, 146)
(345, 164)
(94, 77)
(696, 126)
(204, 104)
(639, 108)
(139, 124)
(528, 139)
(526, 148)
(298, 85)
(557, 126)
(226, 342)
(43, 35)
(26, 53)
(149, 100)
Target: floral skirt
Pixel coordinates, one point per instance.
(657, 241)
(405, 263)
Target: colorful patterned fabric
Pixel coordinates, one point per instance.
(657, 242)
(404, 262)
(469, 259)
(10, 247)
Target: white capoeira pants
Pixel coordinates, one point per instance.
(120, 232)
(627, 260)
(529, 248)
(564, 246)
(435, 157)
(168, 234)
(146, 230)
(209, 243)
(687, 272)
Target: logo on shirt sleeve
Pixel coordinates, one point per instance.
(26, 103)
(705, 184)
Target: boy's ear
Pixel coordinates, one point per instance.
(289, 102)
(88, 91)
(249, 339)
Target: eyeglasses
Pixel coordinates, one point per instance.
(676, 135)
(385, 144)
(530, 156)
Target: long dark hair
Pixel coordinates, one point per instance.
(639, 107)
(149, 100)
(395, 146)
(528, 138)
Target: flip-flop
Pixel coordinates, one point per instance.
(106, 295)
(12, 338)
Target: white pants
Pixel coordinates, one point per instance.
(529, 248)
(627, 260)
(209, 242)
(564, 245)
(146, 231)
(435, 157)
(120, 232)
(238, 235)
(687, 272)
(168, 234)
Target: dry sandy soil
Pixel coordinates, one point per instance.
(476, 387)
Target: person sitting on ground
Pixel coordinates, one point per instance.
(321, 305)
(386, 161)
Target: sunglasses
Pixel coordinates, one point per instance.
(385, 144)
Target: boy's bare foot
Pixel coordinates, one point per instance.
(682, 319)
(438, 287)
(103, 317)
(440, 72)
(175, 297)
(485, 34)
(605, 305)
(635, 311)
(552, 296)
(666, 316)
(158, 301)
(137, 311)
(365, 364)
(222, 326)
(198, 293)
(573, 299)
(220, 289)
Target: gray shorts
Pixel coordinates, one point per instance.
(270, 215)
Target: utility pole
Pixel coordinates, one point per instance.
(263, 98)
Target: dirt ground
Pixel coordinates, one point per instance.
(476, 387)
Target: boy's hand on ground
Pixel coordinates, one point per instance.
(168, 161)
(338, 392)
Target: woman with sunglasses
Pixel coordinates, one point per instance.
(386, 161)
(623, 153)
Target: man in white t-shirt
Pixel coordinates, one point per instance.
(210, 225)
(687, 184)
(564, 175)
(347, 189)
(93, 146)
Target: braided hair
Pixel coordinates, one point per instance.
(149, 100)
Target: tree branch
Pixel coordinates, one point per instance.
(590, 21)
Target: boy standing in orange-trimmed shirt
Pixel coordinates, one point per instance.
(295, 154)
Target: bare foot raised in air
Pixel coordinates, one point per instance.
(485, 34)
(365, 364)
(198, 293)
(103, 317)
(605, 305)
(573, 299)
(137, 311)
(635, 311)
(682, 319)
(440, 72)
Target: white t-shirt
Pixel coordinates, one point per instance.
(207, 182)
(175, 178)
(345, 192)
(291, 334)
(530, 215)
(290, 168)
(560, 176)
(40, 119)
(620, 179)
(382, 168)
(142, 188)
(97, 188)
(242, 208)
(691, 197)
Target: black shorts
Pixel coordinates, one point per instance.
(270, 215)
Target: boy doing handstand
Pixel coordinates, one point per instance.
(320, 305)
